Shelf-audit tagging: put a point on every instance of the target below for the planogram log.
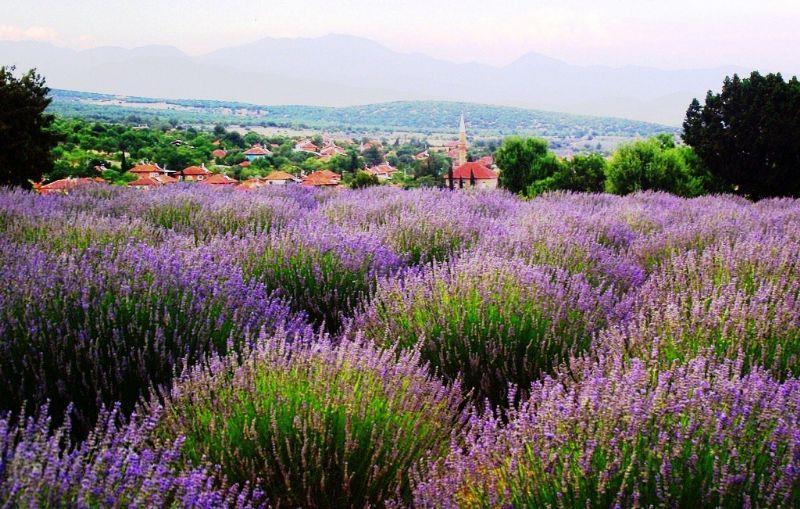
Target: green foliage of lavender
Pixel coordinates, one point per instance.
(489, 321)
(315, 426)
(699, 435)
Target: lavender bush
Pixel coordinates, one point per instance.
(113, 467)
(315, 426)
(698, 435)
(489, 321)
(737, 298)
(102, 325)
(325, 272)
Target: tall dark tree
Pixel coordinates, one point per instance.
(748, 136)
(26, 138)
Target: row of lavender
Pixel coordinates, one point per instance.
(296, 347)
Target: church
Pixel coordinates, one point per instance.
(467, 174)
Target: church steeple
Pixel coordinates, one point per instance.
(462, 142)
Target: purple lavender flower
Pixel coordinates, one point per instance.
(700, 434)
(113, 467)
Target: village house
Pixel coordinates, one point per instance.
(383, 171)
(147, 170)
(322, 178)
(253, 183)
(280, 178)
(65, 186)
(256, 152)
(195, 173)
(332, 150)
(472, 174)
(306, 146)
(165, 179)
(219, 153)
(145, 182)
(219, 180)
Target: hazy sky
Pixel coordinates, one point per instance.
(762, 34)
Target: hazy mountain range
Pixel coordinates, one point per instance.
(339, 70)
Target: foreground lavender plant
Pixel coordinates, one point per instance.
(113, 467)
(489, 321)
(102, 325)
(315, 426)
(734, 298)
(698, 435)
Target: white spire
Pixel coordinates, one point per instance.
(461, 127)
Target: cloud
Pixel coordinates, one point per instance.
(31, 33)
(45, 34)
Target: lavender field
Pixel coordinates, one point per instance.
(296, 347)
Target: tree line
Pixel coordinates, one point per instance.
(744, 140)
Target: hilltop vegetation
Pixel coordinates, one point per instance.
(415, 116)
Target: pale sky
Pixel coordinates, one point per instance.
(762, 34)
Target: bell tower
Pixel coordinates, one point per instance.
(462, 142)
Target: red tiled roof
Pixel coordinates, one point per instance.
(280, 175)
(219, 153)
(251, 184)
(165, 179)
(329, 174)
(66, 184)
(477, 169)
(332, 150)
(319, 181)
(487, 161)
(322, 178)
(382, 169)
(244, 164)
(257, 150)
(195, 170)
(219, 180)
(306, 146)
(146, 168)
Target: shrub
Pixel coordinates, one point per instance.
(113, 467)
(582, 173)
(364, 179)
(102, 325)
(488, 321)
(692, 436)
(315, 426)
(324, 272)
(734, 299)
(655, 164)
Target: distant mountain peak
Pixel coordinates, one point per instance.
(343, 70)
(537, 59)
